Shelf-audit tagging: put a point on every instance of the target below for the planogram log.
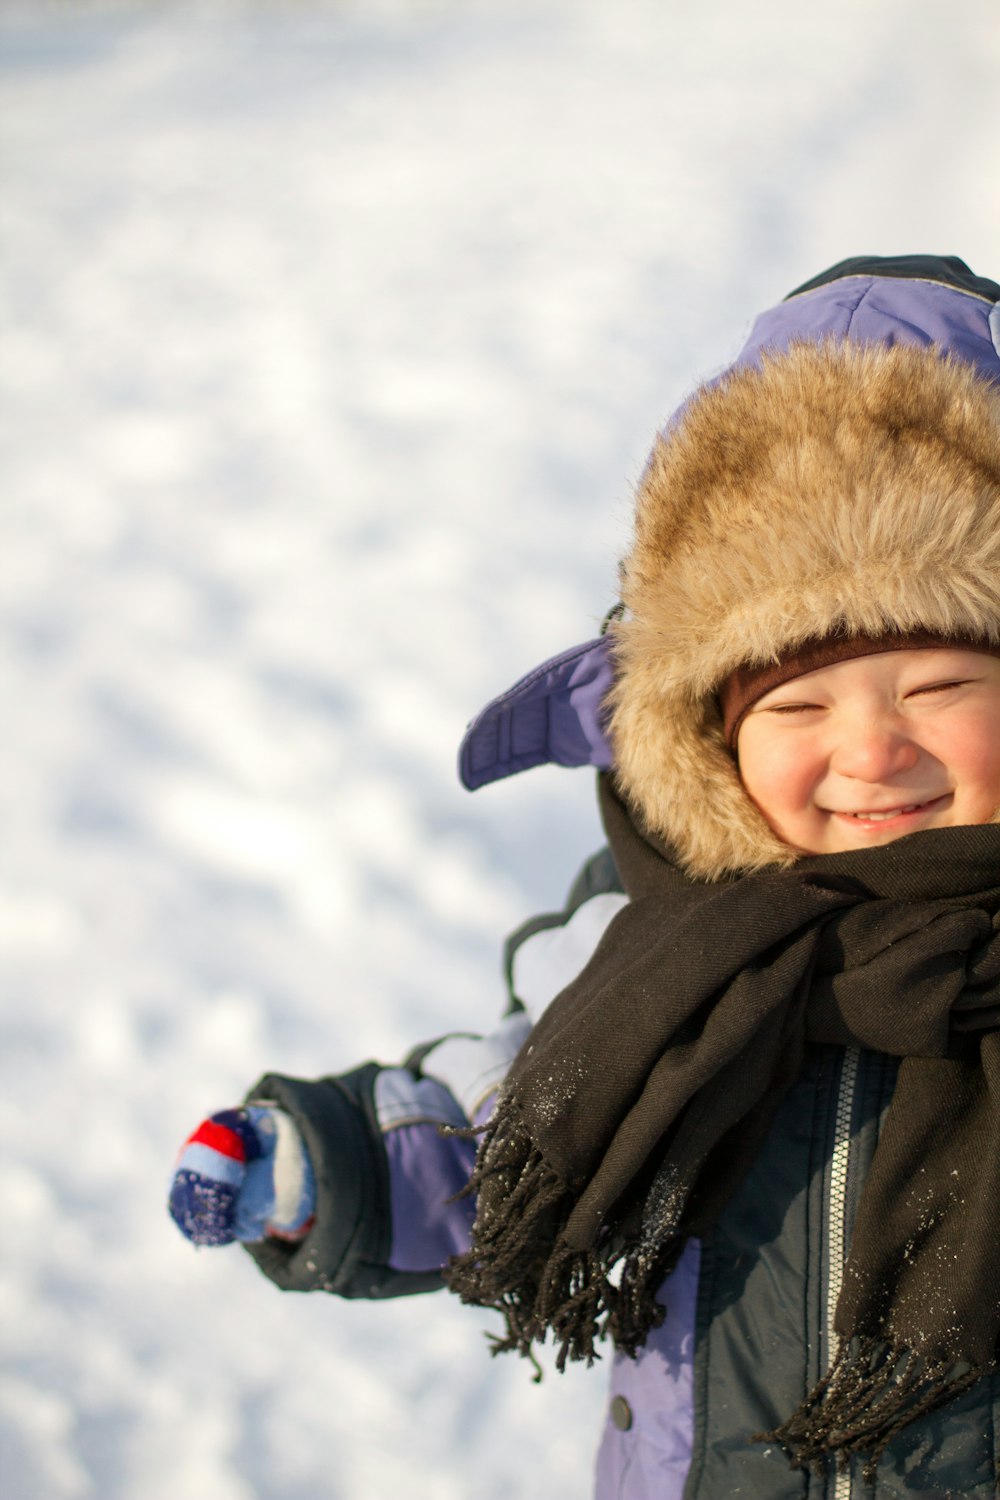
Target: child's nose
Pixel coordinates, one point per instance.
(875, 752)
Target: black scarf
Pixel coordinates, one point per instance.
(644, 1092)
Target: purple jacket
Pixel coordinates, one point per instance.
(748, 1327)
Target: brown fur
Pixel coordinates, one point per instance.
(839, 488)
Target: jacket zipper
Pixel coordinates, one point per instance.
(836, 1242)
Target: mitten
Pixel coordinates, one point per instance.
(244, 1174)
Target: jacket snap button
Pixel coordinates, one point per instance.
(621, 1413)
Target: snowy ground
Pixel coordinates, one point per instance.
(333, 340)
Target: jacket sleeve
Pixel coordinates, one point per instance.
(387, 1176)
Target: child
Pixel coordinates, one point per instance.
(754, 1139)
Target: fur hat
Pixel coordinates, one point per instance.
(828, 486)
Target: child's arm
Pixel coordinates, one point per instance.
(347, 1183)
(385, 1216)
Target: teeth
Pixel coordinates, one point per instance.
(879, 817)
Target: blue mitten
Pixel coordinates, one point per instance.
(244, 1174)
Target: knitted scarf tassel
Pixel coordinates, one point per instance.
(870, 1393)
(521, 1264)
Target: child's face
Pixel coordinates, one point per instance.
(871, 748)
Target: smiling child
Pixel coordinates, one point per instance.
(740, 1126)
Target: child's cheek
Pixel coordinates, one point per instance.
(779, 778)
(972, 756)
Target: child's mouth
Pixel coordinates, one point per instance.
(907, 811)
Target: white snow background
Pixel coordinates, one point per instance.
(333, 340)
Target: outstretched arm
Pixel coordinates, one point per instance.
(383, 1217)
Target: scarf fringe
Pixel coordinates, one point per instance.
(871, 1392)
(523, 1208)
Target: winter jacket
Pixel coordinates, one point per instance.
(748, 1329)
(747, 1326)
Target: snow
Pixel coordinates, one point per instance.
(334, 337)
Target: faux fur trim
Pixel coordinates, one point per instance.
(840, 487)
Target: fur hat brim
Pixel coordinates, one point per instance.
(838, 488)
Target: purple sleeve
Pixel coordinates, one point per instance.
(426, 1170)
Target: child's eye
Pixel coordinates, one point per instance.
(792, 708)
(937, 687)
